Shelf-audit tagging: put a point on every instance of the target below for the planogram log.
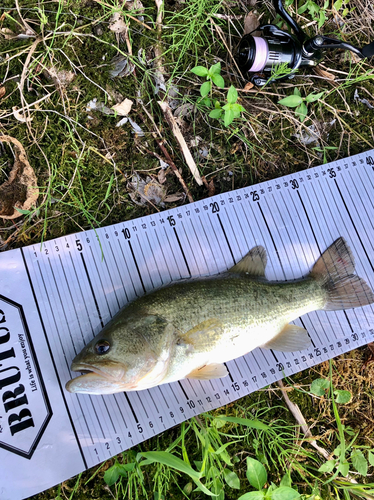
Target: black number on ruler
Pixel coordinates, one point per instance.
(332, 173)
(294, 184)
(215, 208)
(235, 386)
(57, 249)
(190, 404)
(126, 233)
(140, 428)
(171, 220)
(280, 366)
(255, 196)
(369, 160)
(79, 245)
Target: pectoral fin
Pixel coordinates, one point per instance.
(209, 371)
(204, 335)
(291, 338)
(253, 263)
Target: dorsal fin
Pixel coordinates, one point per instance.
(253, 263)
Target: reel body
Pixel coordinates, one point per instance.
(258, 55)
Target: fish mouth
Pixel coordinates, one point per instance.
(97, 380)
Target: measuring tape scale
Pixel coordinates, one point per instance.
(80, 281)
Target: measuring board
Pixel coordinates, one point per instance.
(57, 296)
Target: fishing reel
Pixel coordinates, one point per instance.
(257, 56)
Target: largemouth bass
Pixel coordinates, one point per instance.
(189, 329)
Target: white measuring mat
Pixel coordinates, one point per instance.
(57, 296)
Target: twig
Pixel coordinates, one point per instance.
(175, 170)
(164, 105)
(181, 141)
(295, 410)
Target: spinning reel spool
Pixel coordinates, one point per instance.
(257, 55)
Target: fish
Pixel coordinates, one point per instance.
(191, 328)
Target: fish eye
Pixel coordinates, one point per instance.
(102, 347)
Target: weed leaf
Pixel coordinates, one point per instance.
(343, 468)
(285, 493)
(256, 473)
(359, 462)
(231, 479)
(232, 95)
(218, 80)
(229, 117)
(327, 466)
(215, 69)
(291, 101)
(199, 71)
(319, 386)
(205, 88)
(342, 397)
(253, 495)
(252, 424)
(301, 111)
(314, 97)
(215, 113)
(371, 458)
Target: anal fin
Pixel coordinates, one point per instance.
(291, 338)
(208, 372)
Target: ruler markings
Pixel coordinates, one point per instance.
(92, 290)
(119, 274)
(182, 252)
(181, 275)
(136, 265)
(207, 239)
(225, 235)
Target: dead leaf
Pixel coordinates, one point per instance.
(146, 190)
(251, 22)
(122, 66)
(123, 108)
(61, 78)
(21, 116)
(324, 74)
(117, 24)
(20, 190)
(2, 92)
(172, 198)
(248, 86)
(7, 33)
(134, 5)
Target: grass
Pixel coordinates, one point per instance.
(84, 163)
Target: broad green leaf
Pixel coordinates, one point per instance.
(327, 466)
(292, 101)
(206, 101)
(229, 117)
(216, 113)
(205, 88)
(112, 474)
(342, 397)
(285, 493)
(215, 69)
(319, 386)
(301, 111)
(343, 468)
(232, 95)
(199, 71)
(253, 495)
(371, 458)
(337, 5)
(345, 12)
(296, 91)
(231, 479)
(286, 480)
(256, 473)
(218, 80)
(314, 97)
(359, 462)
(252, 424)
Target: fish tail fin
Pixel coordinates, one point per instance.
(334, 270)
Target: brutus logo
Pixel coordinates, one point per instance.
(24, 405)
